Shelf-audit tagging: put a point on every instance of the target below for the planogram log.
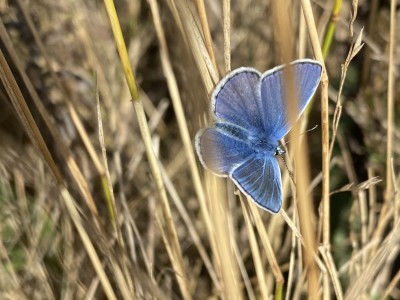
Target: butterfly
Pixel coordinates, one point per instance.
(251, 116)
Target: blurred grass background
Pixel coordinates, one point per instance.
(83, 215)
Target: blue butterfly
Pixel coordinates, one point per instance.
(250, 119)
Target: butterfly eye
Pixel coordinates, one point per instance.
(279, 151)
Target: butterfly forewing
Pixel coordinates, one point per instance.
(307, 74)
(237, 100)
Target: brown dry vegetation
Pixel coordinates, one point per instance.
(87, 212)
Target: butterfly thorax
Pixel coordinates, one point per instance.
(262, 144)
(253, 137)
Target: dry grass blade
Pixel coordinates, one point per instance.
(285, 32)
(298, 235)
(354, 49)
(267, 246)
(330, 265)
(254, 248)
(184, 16)
(308, 14)
(31, 127)
(391, 286)
(365, 185)
(396, 194)
(206, 30)
(192, 230)
(110, 199)
(354, 9)
(225, 262)
(226, 7)
(245, 275)
(73, 166)
(165, 218)
(166, 228)
(25, 116)
(390, 104)
(374, 265)
(180, 115)
(88, 244)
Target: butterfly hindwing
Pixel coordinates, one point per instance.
(220, 148)
(260, 178)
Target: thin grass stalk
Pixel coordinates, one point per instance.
(358, 256)
(125, 286)
(299, 286)
(292, 260)
(302, 44)
(106, 178)
(191, 228)
(391, 286)
(375, 264)
(385, 274)
(390, 107)
(354, 10)
(372, 201)
(224, 256)
(133, 235)
(305, 215)
(355, 47)
(226, 8)
(183, 16)
(330, 31)
(167, 219)
(300, 239)
(358, 196)
(285, 33)
(25, 116)
(254, 247)
(80, 22)
(371, 26)
(85, 139)
(331, 268)
(243, 271)
(180, 116)
(396, 194)
(87, 244)
(206, 30)
(312, 30)
(279, 279)
(390, 124)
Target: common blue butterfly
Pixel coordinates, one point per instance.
(250, 119)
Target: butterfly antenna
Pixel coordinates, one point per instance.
(308, 130)
(280, 151)
(287, 168)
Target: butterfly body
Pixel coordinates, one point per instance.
(256, 140)
(251, 116)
